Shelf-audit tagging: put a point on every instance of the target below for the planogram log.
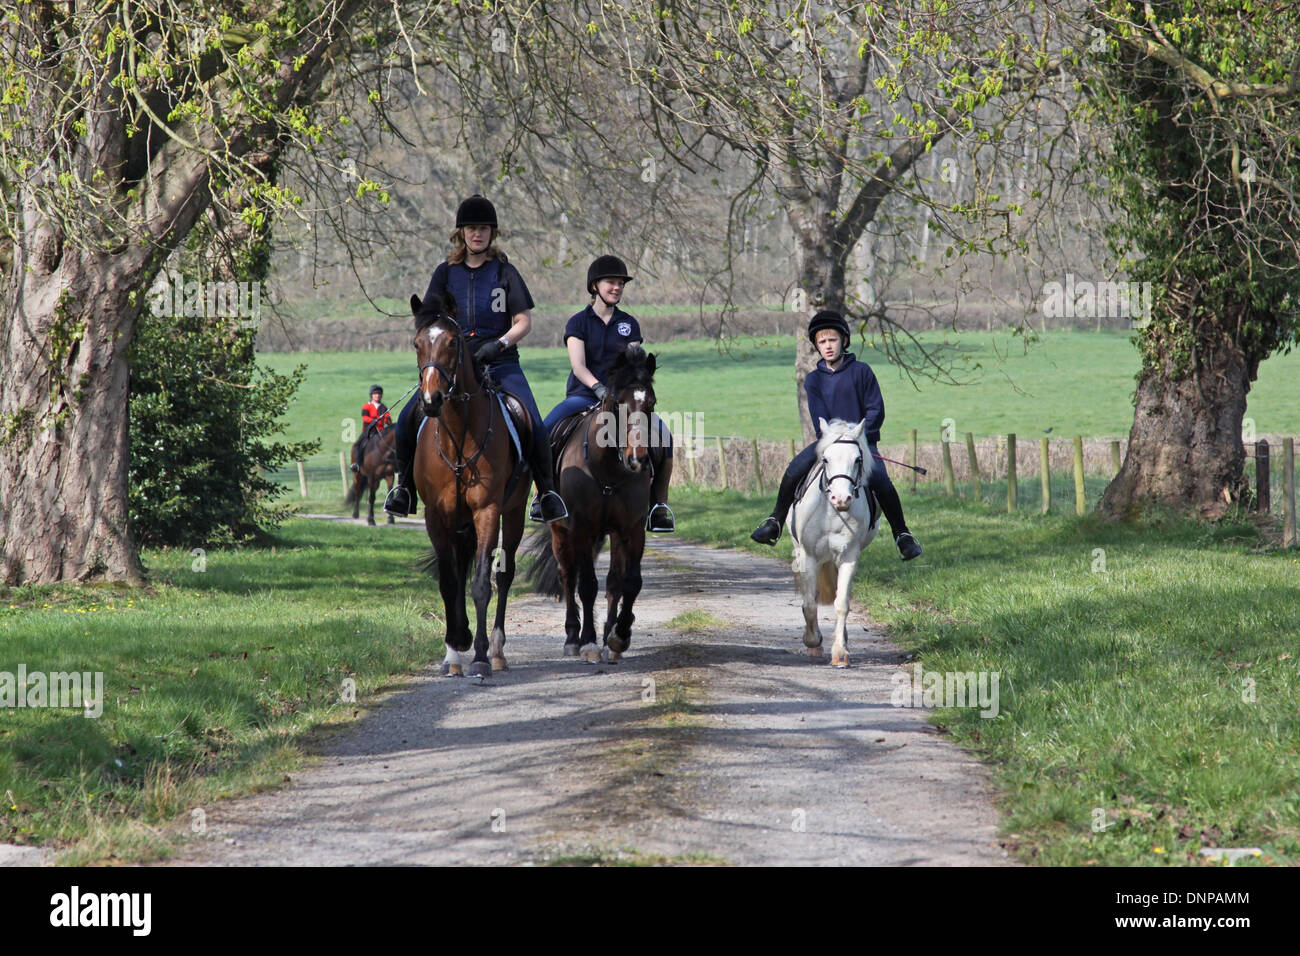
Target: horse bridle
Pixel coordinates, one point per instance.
(854, 480)
(461, 462)
(608, 490)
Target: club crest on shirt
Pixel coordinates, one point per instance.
(625, 328)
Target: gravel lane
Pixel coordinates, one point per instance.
(726, 744)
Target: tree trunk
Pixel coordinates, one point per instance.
(821, 268)
(63, 408)
(1185, 450)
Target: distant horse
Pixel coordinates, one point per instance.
(471, 480)
(834, 517)
(376, 465)
(604, 474)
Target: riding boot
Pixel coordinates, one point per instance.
(770, 530)
(660, 520)
(401, 500)
(890, 504)
(548, 506)
(356, 456)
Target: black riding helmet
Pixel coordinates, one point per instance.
(828, 319)
(476, 211)
(606, 267)
(375, 388)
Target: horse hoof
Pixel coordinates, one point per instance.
(815, 652)
(840, 660)
(591, 654)
(612, 657)
(392, 520)
(480, 669)
(499, 664)
(452, 670)
(570, 650)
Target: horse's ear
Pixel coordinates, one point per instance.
(857, 431)
(650, 365)
(620, 360)
(415, 305)
(822, 425)
(449, 304)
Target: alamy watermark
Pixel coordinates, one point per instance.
(1097, 300)
(922, 688)
(173, 296)
(678, 430)
(83, 691)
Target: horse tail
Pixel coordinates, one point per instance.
(827, 582)
(544, 575)
(428, 564)
(355, 491)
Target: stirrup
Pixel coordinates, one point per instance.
(768, 532)
(391, 505)
(661, 525)
(549, 507)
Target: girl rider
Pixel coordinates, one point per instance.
(492, 308)
(594, 338)
(840, 387)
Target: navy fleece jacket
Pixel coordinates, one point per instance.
(850, 392)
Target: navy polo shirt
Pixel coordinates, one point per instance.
(602, 342)
(850, 393)
(487, 298)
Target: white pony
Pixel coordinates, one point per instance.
(834, 517)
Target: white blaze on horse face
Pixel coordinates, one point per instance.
(431, 334)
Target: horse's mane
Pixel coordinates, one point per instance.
(632, 367)
(835, 429)
(431, 311)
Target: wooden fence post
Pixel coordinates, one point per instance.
(758, 470)
(949, 481)
(974, 467)
(1045, 473)
(722, 462)
(1011, 473)
(1288, 493)
(343, 470)
(1080, 496)
(1114, 457)
(302, 480)
(913, 477)
(1262, 490)
(692, 448)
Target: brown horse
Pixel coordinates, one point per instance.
(604, 475)
(376, 465)
(464, 462)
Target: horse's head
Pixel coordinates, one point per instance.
(440, 351)
(843, 452)
(632, 399)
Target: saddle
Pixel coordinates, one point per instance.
(563, 431)
(814, 474)
(520, 425)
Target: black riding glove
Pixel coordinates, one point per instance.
(600, 390)
(490, 350)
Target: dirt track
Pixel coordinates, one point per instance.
(748, 753)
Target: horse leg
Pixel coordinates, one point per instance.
(358, 486)
(452, 586)
(614, 593)
(512, 532)
(486, 524)
(391, 519)
(588, 588)
(566, 562)
(805, 580)
(631, 588)
(373, 488)
(844, 586)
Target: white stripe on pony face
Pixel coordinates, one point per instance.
(431, 334)
(639, 395)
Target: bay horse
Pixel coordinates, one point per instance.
(833, 518)
(466, 473)
(376, 465)
(603, 473)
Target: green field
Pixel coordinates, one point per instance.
(1072, 382)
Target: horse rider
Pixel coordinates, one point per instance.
(594, 337)
(492, 309)
(374, 417)
(840, 387)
